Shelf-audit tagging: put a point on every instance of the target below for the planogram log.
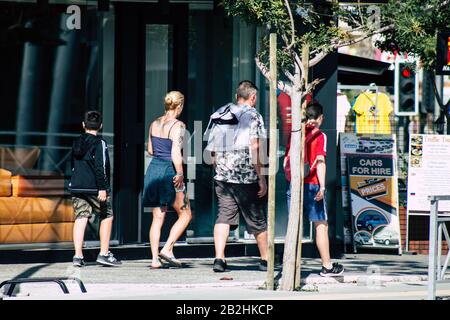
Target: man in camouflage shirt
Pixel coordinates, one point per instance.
(239, 183)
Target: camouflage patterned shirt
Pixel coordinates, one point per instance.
(236, 166)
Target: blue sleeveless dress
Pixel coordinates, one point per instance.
(159, 190)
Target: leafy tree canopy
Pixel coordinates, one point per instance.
(404, 26)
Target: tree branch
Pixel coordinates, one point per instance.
(266, 73)
(286, 41)
(360, 13)
(338, 44)
(317, 58)
(356, 22)
(286, 2)
(299, 63)
(443, 4)
(357, 29)
(311, 86)
(289, 75)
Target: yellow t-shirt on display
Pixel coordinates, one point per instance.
(373, 113)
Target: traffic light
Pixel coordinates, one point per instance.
(406, 90)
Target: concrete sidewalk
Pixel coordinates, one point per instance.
(137, 277)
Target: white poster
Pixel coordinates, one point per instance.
(428, 171)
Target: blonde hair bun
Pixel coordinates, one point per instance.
(173, 99)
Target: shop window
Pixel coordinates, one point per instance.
(50, 76)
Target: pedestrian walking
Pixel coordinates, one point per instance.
(234, 143)
(90, 188)
(314, 185)
(164, 180)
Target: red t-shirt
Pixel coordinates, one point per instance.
(284, 103)
(315, 145)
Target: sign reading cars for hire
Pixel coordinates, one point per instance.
(351, 144)
(374, 202)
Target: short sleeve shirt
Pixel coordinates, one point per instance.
(373, 112)
(315, 145)
(237, 166)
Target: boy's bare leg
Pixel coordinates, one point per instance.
(155, 234)
(221, 232)
(78, 235)
(322, 242)
(105, 235)
(261, 240)
(184, 217)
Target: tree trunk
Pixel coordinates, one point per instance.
(290, 243)
(298, 260)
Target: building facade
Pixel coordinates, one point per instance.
(62, 58)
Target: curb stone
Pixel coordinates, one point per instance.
(355, 278)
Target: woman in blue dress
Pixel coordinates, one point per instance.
(164, 179)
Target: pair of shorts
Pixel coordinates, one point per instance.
(315, 210)
(84, 206)
(234, 198)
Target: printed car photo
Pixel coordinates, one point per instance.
(366, 146)
(385, 146)
(363, 238)
(370, 220)
(386, 235)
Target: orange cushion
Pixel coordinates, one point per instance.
(18, 160)
(17, 210)
(5, 183)
(37, 186)
(38, 232)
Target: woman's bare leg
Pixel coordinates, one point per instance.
(183, 209)
(155, 234)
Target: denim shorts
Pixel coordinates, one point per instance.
(315, 210)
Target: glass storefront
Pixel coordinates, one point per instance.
(120, 62)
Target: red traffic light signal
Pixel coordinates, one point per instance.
(406, 72)
(406, 89)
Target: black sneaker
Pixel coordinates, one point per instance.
(262, 265)
(78, 262)
(335, 271)
(220, 265)
(108, 260)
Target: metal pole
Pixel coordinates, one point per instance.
(439, 247)
(407, 231)
(432, 251)
(272, 162)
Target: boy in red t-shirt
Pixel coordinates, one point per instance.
(314, 186)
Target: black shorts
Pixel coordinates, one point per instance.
(236, 198)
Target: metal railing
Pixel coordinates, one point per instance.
(58, 280)
(436, 271)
